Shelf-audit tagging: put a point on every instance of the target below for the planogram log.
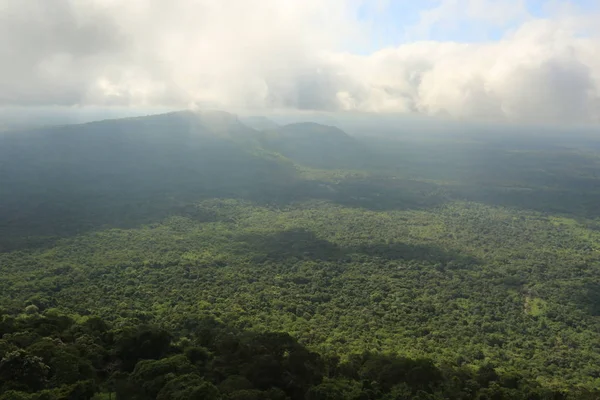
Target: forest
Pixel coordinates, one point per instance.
(52, 356)
(193, 256)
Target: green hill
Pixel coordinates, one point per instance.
(124, 172)
(316, 145)
(259, 123)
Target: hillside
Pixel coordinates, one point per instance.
(259, 123)
(125, 172)
(476, 261)
(122, 172)
(316, 145)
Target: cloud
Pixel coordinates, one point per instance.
(541, 72)
(142, 52)
(297, 55)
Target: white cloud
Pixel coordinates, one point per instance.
(541, 72)
(180, 51)
(288, 54)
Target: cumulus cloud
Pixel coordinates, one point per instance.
(542, 71)
(296, 55)
(140, 52)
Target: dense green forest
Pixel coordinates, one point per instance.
(188, 255)
(55, 357)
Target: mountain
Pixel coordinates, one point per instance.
(316, 145)
(116, 171)
(121, 172)
(259, 123)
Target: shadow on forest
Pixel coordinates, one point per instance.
(416, 252)
(216, 361)
(573, 203)
(389, 194)
(37, 221)
(298, 243)
(375, 194)
(303, 244)
(45, 215)
(405, 194)
(589, 300)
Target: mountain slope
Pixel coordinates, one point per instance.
(259, 123)
(316, 145)
(116, 171)
(123, 172)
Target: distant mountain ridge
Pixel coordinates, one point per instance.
(151, 161)
(260, 123)
(124, 169)
(315, 145)
(308, 143)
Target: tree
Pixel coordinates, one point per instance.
(23, 371)
(188, 387)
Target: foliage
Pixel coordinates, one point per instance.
(238, 366)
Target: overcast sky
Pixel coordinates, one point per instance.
(510, 60)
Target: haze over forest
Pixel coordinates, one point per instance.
(299, 200)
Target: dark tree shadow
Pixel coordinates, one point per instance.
(589, 299)
(579, 203)
(303, 244)
(376, 194)
(416, 252)
(295, 243)
(386, 194)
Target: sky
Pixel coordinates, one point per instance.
(403, 21)
(533, 61)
